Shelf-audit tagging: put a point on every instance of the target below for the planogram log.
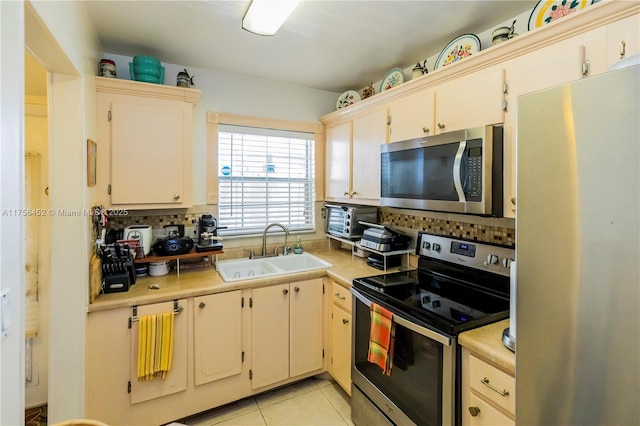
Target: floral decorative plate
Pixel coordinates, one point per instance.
(550, 10)
(394, 78)
(459, 48)
(349, 97)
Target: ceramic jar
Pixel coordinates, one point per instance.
(107, 68)
(368, 91)
(501, 34)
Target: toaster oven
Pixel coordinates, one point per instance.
(343, 220)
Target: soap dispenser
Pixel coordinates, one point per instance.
(298, 248)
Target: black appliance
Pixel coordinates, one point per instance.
(117, 264)
(207, 232)
(458, 285)
(383, 238)
(172, 245)
(459, 171)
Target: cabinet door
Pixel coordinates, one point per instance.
(341, 347)
(338, 162)
(486, 414)
(306, 307)
(412, 116)
(269, 335)
(217, 323)
(176, 380)
(369, 132)
(146, 151)
(547, 67)
(472, 101)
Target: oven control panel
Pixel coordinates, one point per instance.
(487, 257)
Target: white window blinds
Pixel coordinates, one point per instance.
(265, 176)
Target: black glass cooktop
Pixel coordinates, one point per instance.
(445, 302)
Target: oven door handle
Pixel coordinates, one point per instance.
(447, 341)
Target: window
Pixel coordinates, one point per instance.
(265, 176)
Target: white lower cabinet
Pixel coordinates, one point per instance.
(340, 360)
(227, 346)
(217, 336)
(488, 393)
(287, 339)
(176, 380)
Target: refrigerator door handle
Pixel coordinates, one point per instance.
(457, 162)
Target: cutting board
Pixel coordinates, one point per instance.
(95, 277)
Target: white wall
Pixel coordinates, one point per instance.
(12, 197)
(231, 93)
(61, 37)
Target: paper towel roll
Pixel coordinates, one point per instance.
(512, 300)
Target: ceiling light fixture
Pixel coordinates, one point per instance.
(265, 17)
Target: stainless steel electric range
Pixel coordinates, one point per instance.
(458, 285)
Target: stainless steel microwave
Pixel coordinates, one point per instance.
(459, 172)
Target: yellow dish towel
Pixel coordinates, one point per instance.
(155, 346)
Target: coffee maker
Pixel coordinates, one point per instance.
(207, 231)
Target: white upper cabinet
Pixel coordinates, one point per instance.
(412, 116)
(144, 144)
(472, 101)
(352, 158)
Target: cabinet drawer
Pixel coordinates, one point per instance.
(341, 297)
(494, 384)
(485, 414)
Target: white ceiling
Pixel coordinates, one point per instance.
(327, 45)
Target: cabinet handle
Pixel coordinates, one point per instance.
(485, 382)
(297, 289)
(353, 193)
(623, 49)
(389, 120)
(441, 126)
(345, 321)
(425, 130)
(474, 411)
(346, 193)
(285, 291)
(201, 305)
(339, 297)
(513, 201)
(176, 197)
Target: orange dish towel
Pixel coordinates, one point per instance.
(381, 338)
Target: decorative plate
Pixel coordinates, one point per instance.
(349, 97)
(394, 78)
(550, 10)
(458, 49)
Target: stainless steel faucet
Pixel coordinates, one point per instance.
(264, 239)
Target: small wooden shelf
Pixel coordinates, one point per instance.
(193, 254)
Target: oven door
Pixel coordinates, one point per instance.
(421, 387)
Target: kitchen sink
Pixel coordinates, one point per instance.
(248, 269)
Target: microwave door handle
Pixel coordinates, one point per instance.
(457, 180)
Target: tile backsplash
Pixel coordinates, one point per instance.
(489, 230)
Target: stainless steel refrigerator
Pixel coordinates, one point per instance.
(578, 253)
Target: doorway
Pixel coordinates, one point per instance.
(37, 228)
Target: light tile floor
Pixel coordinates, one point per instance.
(312, 401)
